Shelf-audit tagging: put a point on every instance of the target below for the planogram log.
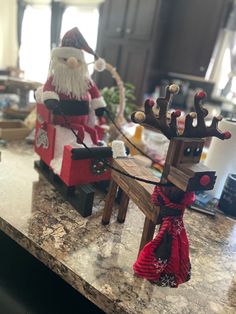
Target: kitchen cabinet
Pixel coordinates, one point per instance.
(191, 35)
(129, 19)
(146, 40)
(126, 32)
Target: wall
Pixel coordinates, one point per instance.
(8, 33)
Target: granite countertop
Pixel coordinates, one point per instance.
(97, 260)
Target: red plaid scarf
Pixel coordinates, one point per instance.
(165, 260)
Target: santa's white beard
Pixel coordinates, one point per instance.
(68, 81)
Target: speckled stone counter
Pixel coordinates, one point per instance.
(97, 260)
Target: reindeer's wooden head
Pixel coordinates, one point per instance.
(182, 167)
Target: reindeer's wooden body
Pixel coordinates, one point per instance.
(136, 191)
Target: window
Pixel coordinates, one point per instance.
(35, 47)
(221, 65)
(35, 42)
(222, 69)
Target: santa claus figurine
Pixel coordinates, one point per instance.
(72, 96)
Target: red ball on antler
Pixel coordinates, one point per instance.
(150, 102)
(227, 135)
(201, 94)
(177, 113)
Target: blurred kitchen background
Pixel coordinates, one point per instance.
(151, 43)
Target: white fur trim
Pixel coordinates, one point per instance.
(92, 119)
(49, 95)
(63, 137)
(118, 149)
(66, 52)
(38, 94)
(98, 103)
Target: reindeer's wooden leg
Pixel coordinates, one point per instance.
(148, 232)
(110, 199)
(123, 207)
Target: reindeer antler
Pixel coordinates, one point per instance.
(201, 130)
(169, 128)
(160, 121)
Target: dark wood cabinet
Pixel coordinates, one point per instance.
(125, 39)
(133, 67)
(114, 15)
(140, 19)
(191, 34)
(110, 50)
(130, 19)
(145, 39)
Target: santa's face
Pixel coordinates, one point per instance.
(70, 76)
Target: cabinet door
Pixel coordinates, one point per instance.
(110, 51)
(190, 35)
(114, 14)
(140, 18)
(133, 68)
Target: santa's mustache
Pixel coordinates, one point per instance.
(68, 81)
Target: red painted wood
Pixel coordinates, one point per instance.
(43, 121)
(74, 172)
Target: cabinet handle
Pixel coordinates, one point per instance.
(128, 30)
(118, 29)
(202, 69)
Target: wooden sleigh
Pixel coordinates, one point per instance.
(79, 169)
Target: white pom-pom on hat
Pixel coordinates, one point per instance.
(100, 65)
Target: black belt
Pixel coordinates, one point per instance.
(94, 152)
(72, 108)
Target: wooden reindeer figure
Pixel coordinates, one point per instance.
(165, 260)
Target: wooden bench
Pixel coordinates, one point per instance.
(137, 191)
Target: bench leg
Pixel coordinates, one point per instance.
(148, 232)
(123, 207)
(110, 199)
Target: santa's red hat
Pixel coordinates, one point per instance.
(73, 44)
